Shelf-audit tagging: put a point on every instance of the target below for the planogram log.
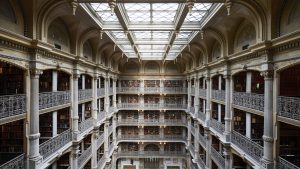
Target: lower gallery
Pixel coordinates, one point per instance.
(156, 84)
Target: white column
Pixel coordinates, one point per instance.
(268, 158)
(189, 136)
(83, 111)
(106, 98)
(34, 129)
(54, 114)
(227, 107)
(106, 124)
(115, 93)
(83, 81)
(75, 118)
(189, 94)
(208, 102)
(95, 133)
(248, 115)
(196, 141)
(196, 99)
(219, 105)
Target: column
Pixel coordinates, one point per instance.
(115, 93)
(54, 114)
(189, 136)
(219, 105)
(196, 99)
(189, 94)
(248, 115)
(208, 148)
(268, 159)
(114, 126)
(208, 102)
(106, 97)
(227, 107)
(95, 132)
(106, 124)
(75, 119)
(34, 128)
(196, 141)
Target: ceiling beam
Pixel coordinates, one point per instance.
(150, 1)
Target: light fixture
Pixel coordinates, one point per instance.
(74, 5)
(202, 34)
(115, 47)
(112, 4)
(101, 34)
(228, 5)
(190, 5)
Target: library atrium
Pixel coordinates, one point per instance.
(149, 84)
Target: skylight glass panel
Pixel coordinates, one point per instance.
(118, 34)
(184, 35)
(198, 12)
(152, 54)
(176, 47)
(165, 6)
(161, 35)
(142, 34)
(104, 12)
(138, 12)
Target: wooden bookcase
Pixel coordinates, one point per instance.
(11, 79)
(45, 127)
(12, 137)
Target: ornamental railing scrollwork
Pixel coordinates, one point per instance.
(192, 110)
(218, 158)
(284, 164)
(84, 156)
(193, 130)
(201, 163)
(86, 124)
(202, 92)
(128, 105)
(101, 162)
(151, 89)
(179, 105)
(218, 126)
(289, 107)
(249, 100)
(202, 140)
(218, 95)
(17, 162)
(100, 139)
(193, 90)
(52, 145)
(84, 94)
(152, 105)
(100, 116)
(202, 116)
(110, 91)
(174, 90)
(11, 105)
(100, 92)
(52, 99)
(250, 147)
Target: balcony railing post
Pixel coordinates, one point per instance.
(268, 159)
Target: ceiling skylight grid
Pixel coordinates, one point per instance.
(148, 29)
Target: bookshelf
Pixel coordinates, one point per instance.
(153, 130)
(12, 137)
(45, 127)
(173, 83)
(63, 120)
(63, 81)
(11, 79)
(151, 83)
(46, 81)
(239, 121)
(63, 162)
(130, 83)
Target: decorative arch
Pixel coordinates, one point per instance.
(216, 51)
(245, 36)
(171, 67)
(152, 67)
(58, 35)
(11, 16)
(87, 50)
(290, 18)
(131, 67)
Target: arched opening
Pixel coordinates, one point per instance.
(58, 35)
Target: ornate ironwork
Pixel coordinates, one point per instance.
(174, 90)
(289, 107)
(110, 91)
(11, 105)
(219, 127)
(128, 89)
(100, 139)
(129, 106)
(202, 92)
(152, 105)
(52, 145)
(125, 153)
(193, 130)
(284, 164)
(250, 147)
(85, 155)
(52, 99)
(218, 95)
(249, 100)
(101, 162)
(201, 163)
(192, 110)
(218, 158)
(100, 116)
(17, 162)
(86, 124)
(151, 89)
(174, 106)
(202, 116)
(84, 94)
(202, 140)
(193, 90)
(100, 92)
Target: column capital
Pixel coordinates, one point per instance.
(35, 72)
(267, 74)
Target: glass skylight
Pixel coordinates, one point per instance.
(151, 12)
(104, 12)
(198, 12)
(150, 27)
